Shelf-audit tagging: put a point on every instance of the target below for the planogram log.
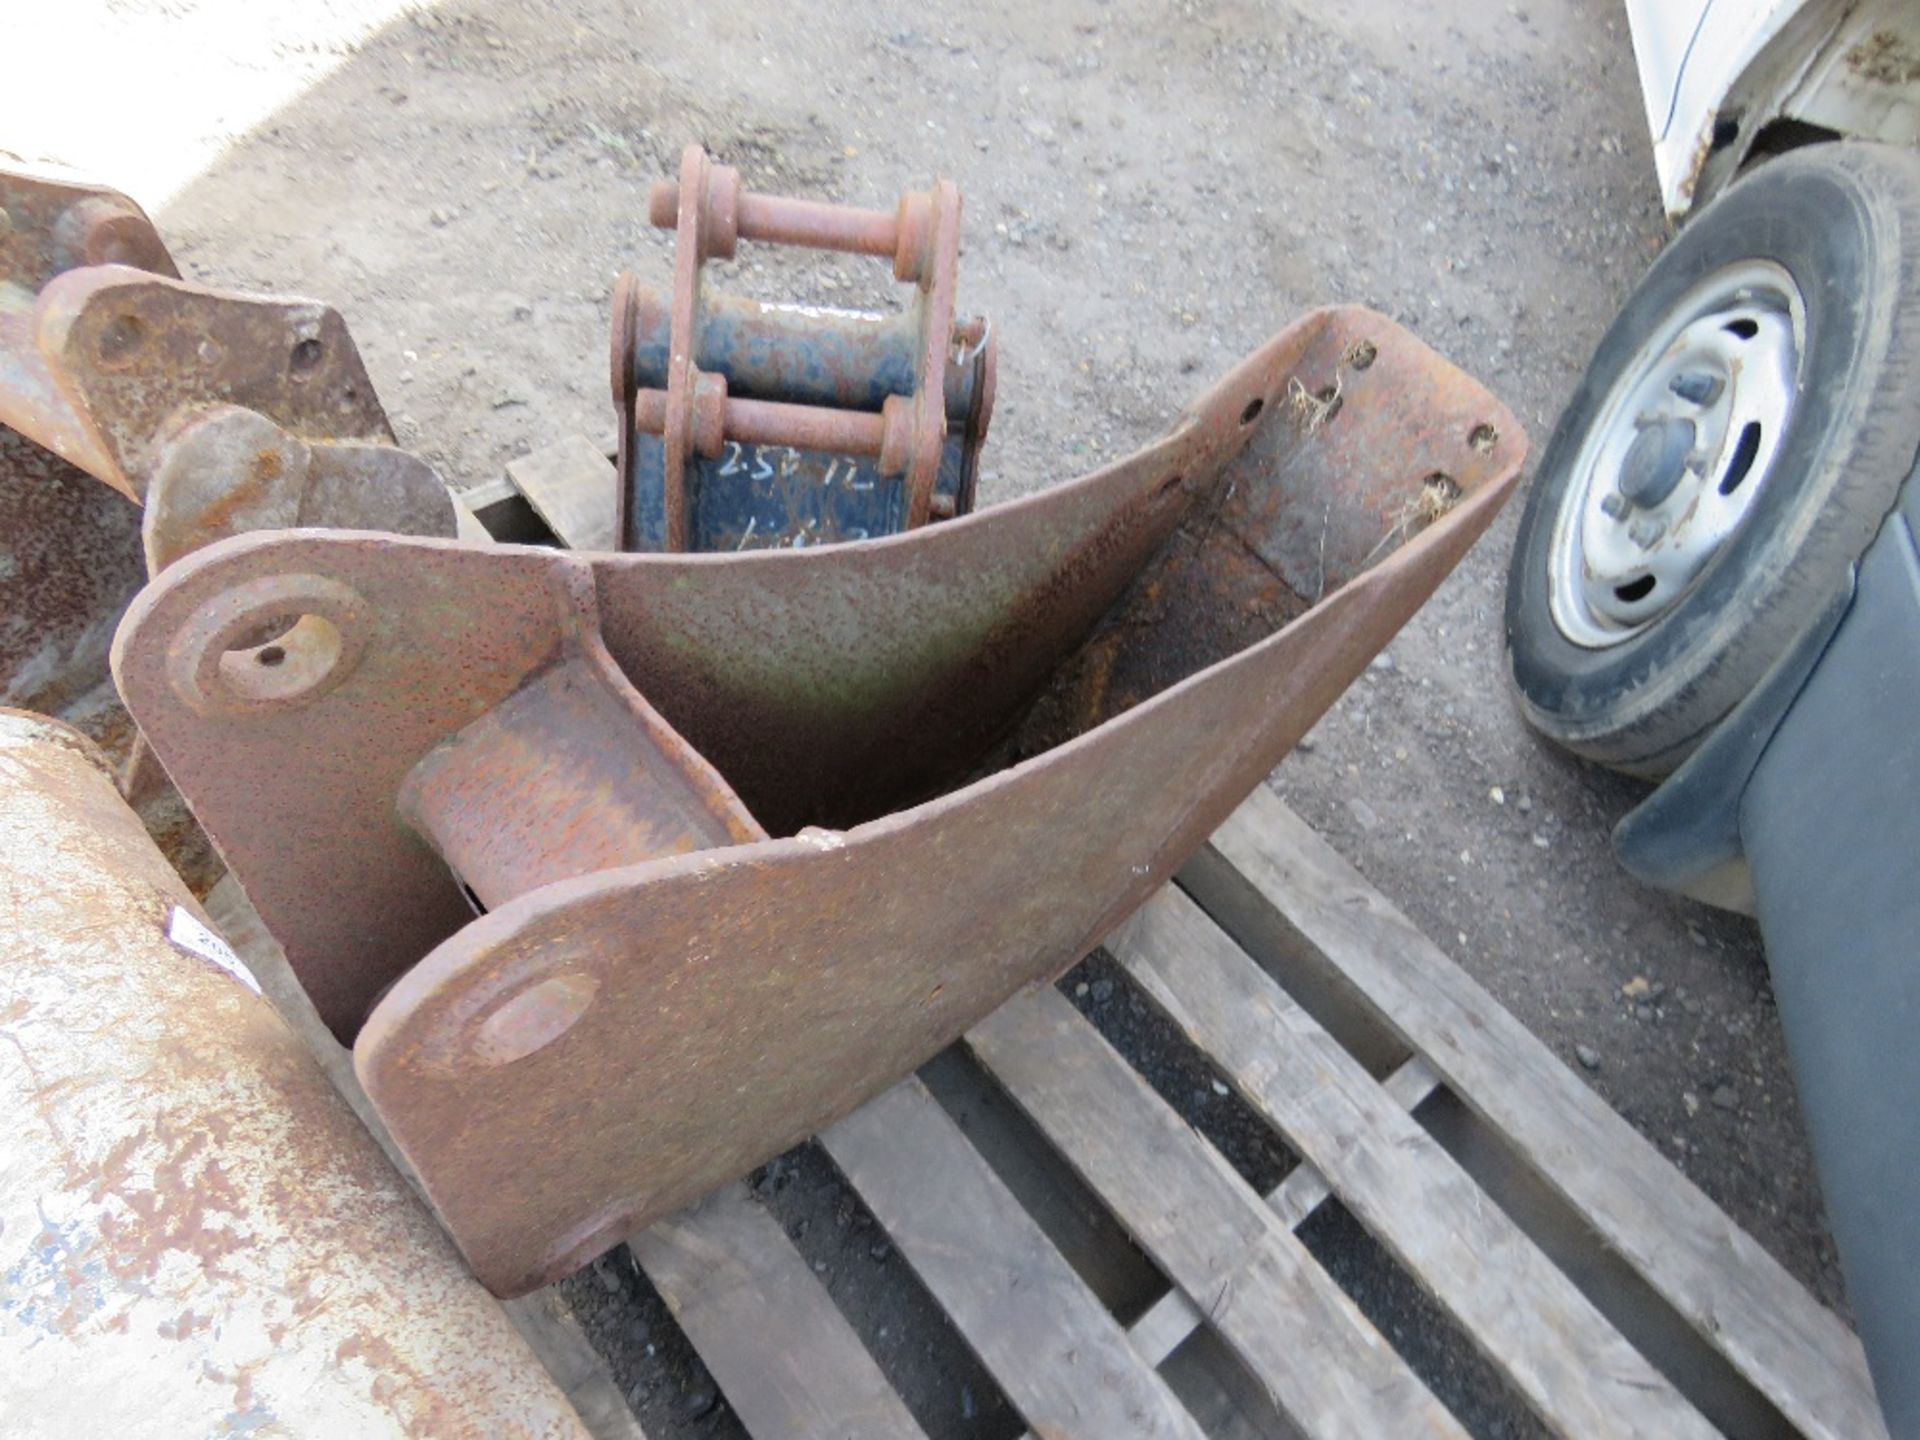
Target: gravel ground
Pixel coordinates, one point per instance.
(1152, 190)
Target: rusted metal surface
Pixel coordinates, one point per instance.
(55, 224)
(841, 419)
(573, 770)
(123, 351)
(69, 562)
(69, 550)
(196, 1236)
(980, 743)
(224, 470)
(49, 227)
(221, 411)
(111, 366)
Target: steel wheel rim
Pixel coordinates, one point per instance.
(1721, 370)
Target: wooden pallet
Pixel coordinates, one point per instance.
(1604, 1290)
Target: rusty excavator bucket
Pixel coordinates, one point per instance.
(624, 871)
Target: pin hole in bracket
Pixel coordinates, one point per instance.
(278, 641)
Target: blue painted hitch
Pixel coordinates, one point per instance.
(750, 426)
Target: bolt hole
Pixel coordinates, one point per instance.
(219, 660)
(1361, 354)
(1331, 401)
(123, 335)
(284, 662)
(1635, 589)
(1483, 437)
(1744, 451)
(1744, 328)
(306, 355)
(1439, 493)
(1252, 412)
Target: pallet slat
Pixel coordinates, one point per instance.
(1061, 1359)
(1321, 1361)
(1576, 1372)
(553, 1335)
(1303, 1191)
(1173, 1317)
(1739, 1298)
(778, 1346)
(570, 485)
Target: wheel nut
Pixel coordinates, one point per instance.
(1646, 530)
(1615, 504)
(1697, 387)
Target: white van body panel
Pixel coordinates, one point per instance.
(1720, 75)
